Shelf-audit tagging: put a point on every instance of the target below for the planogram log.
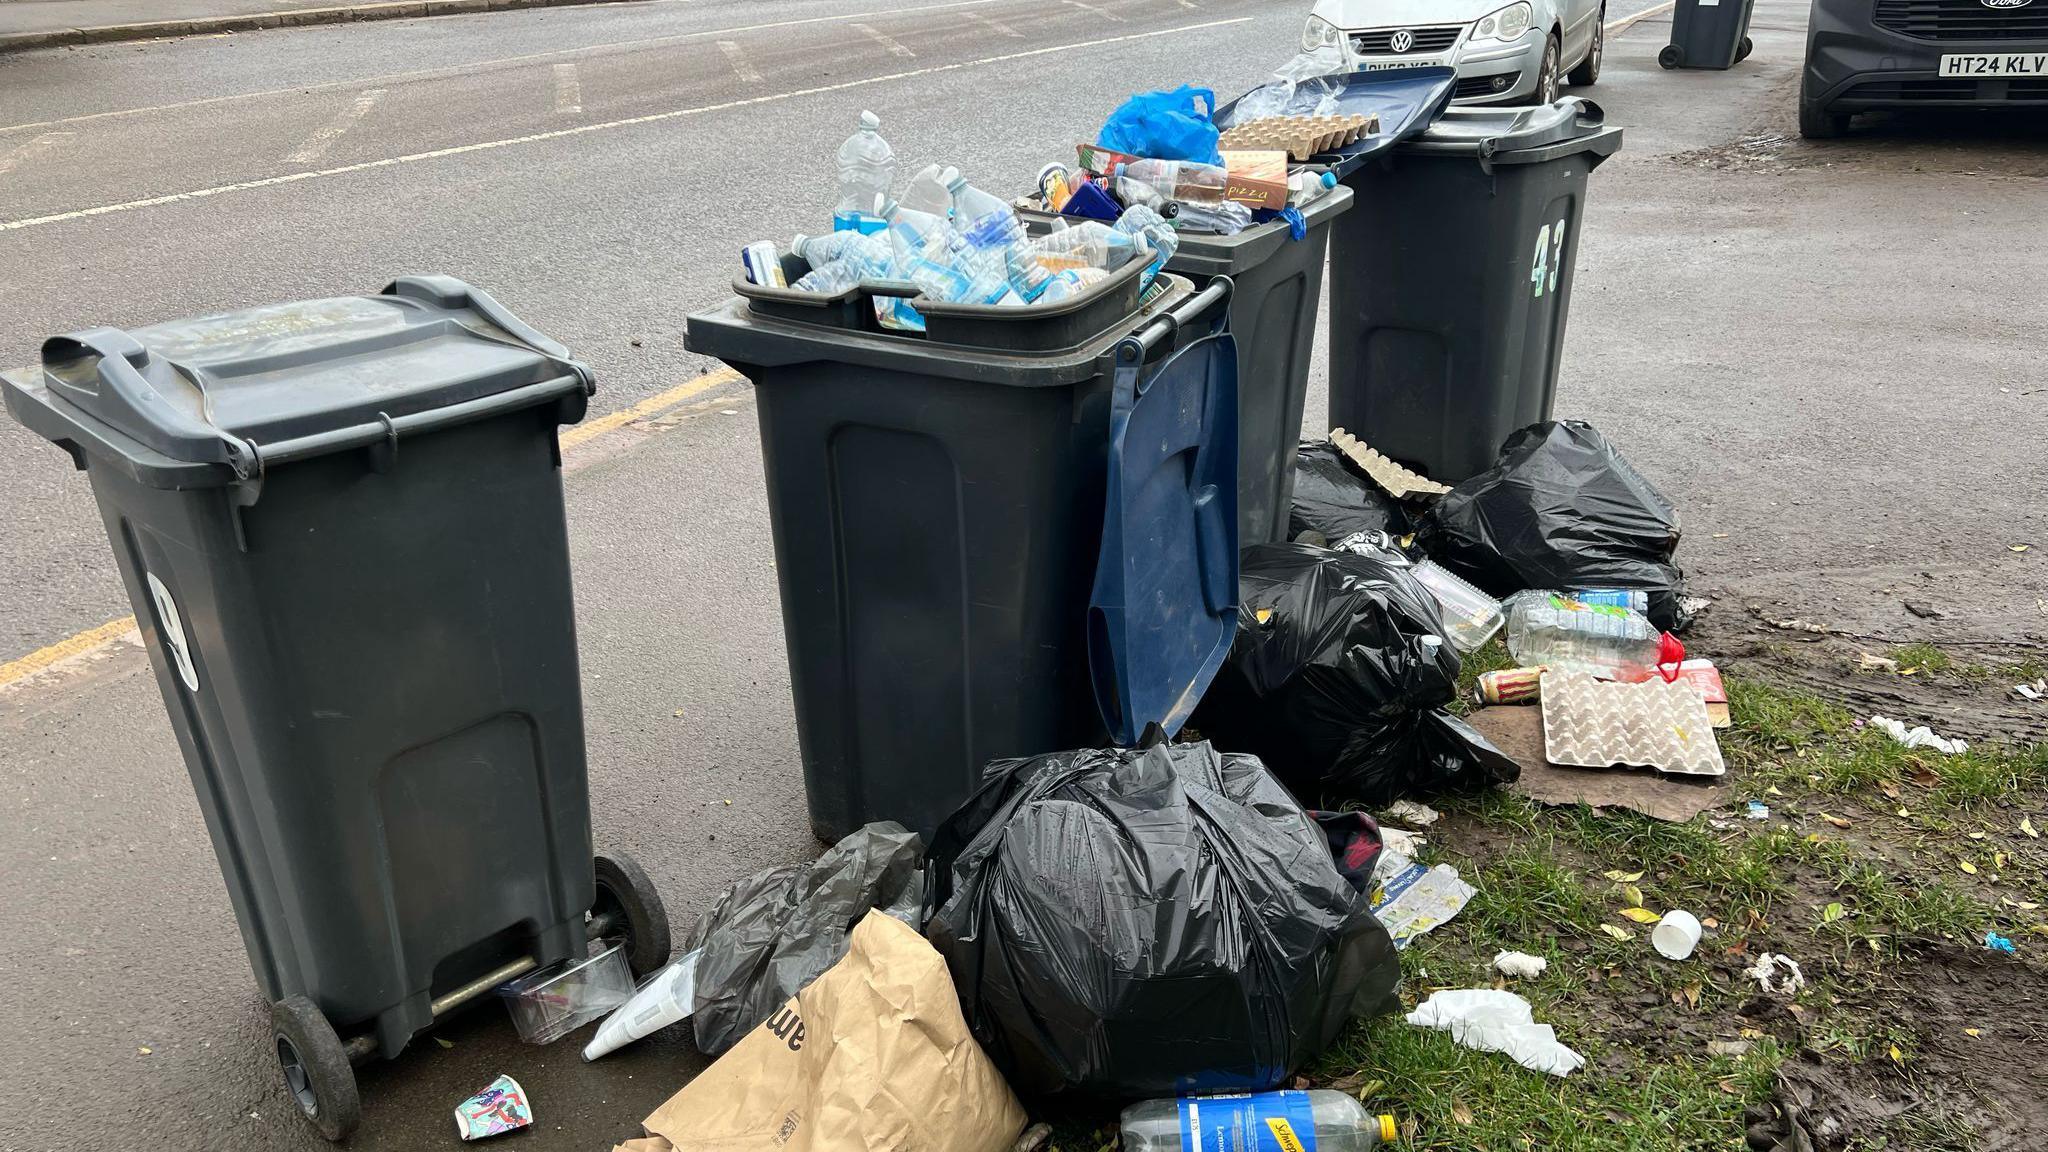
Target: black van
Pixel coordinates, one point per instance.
(1868, 54)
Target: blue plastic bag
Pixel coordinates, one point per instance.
(1165, 126)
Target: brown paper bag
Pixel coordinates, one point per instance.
(873, 1055)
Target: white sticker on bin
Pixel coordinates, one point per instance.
(171, 627)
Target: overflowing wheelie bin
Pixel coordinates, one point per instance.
(340, 523)
(990, 535)
(1448, 293)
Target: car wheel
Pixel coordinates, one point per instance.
(1816, 120)
(1547, 79)
(1588, 71)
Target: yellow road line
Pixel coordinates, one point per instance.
(64, 649)
(17, 670)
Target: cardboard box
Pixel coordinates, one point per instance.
(1257, 179)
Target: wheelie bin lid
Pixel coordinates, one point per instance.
(1531, 135)
(216, 399)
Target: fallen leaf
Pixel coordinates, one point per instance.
(1976, 835)
(2027, 826)
(677, 712)
(1998, 859)
(1751, 1033)
(1351, 1083)
(1301, 1083)
(1966, 866)
(1868, 663)
(1617, 933)
(1898, 1057)
(1773, 791)
(1633, 895)
(444, 1043)
(2025, 905)
(2018, 547)
(1837, 821)
(1620, 877)
(1832, 913)
(1903, 814)
(1796, 1009)
(1461, 1112)
(145, 1050)
(1641, 915)
(1889, 789)
(1972, 1032)
(1709, 922)
(1692, 995)
(1729, 1087)
(1815, 838)
(1924, 776)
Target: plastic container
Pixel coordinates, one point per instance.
(340, 523)
(1471, 616)
(1278, 289)
(1321, 1119)
(1563, 634)
(1448, 299)
(1708, 34)
(969, 525)
(867, 170)
(555, 1001)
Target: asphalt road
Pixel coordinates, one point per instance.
(1829, 356)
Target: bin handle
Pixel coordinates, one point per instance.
(387, 429)
(1190, 310)
(122, 385)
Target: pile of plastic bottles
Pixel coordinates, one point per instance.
(1192, 195)
(955, 242)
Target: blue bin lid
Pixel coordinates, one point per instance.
(221, 389)
(1164, 607)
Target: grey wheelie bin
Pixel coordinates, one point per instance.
(340, 523)
(1707, 34)
(1277, 293)
(1448, 293)
(976, 529)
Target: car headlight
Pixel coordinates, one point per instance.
(1320, 33)
(1507, 24)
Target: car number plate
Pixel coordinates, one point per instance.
(1420, 62)
(1996, 64)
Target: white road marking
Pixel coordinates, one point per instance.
(1085, 7)
(895, 49)
(1189, 4)
(617, 46)
(319, 142)
(568, 90)
(580, 129)
(738, 59)
(33, 150)
(995, 25)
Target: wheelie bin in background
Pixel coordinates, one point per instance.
(340, 523)
(977, 529)
(1708, 34)
(1449, 288)
(1277, 294)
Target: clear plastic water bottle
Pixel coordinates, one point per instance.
(971, 205)
(1089, 244)
(867, 167)
(1153, 234)
(1336, 1123)
(1554, 630)
(1183, 180)
(832, 278)
(818, 251)
(1634, 599)
(929, 192)
(1226, 219)
(1305, 188)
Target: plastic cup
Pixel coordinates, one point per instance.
(1676, 935)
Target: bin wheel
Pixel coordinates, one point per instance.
(316, 1068)
(624, 891)
(1742, 50)
(1670, 56)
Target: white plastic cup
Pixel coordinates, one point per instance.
(1676, 935)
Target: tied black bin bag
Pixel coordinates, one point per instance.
(1126, 923)
(1331, 501)
(1562, 508)
(1337, 677)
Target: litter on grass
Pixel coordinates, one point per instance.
(1997, 943)
(1919, 737)
(1758, 810)
(1520, 965)
(1413, 812)
(1774, 972)
(1411, 899)
(1490, 1020)
(1654, 724)
(2038, 690)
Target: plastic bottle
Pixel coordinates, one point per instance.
(1089, 244)
(867, 167)
(970, 204)
(1153, 234)
(831, 279)
(930, 193)
(818, 251)
(1340, 1123)
(1305, 188)
(1634, 599)
(1182, 180)
(1552, 629)
(1227, 219)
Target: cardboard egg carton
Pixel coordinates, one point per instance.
(1300, 136)
(1590, 723)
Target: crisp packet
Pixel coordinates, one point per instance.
(494, 1111)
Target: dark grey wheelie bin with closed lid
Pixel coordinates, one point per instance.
(1276, 295)
(1707, 34)
(341, 527)
(960, 581)
(1449, 288)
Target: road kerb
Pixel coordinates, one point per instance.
(257, 21)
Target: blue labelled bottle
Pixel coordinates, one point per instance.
(1153, 235)
(867, 169)
(1634, 599)
(1318, 1120)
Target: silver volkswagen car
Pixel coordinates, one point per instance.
(1521, 53)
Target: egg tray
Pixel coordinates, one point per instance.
(1590, 723)
(1300, 136)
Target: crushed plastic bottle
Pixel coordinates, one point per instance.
(1227, 218)
(1153, 235)
(1321, 1119)
(818, 251)
(1089, 244)
(867, 168)
(971, 205)
(930, 191)
(1305, 188)
(1184, 180)
(1554, 630)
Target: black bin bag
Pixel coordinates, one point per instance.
(1561, 508)
(1332, 501)
(1125, 924)
(1337, 677)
